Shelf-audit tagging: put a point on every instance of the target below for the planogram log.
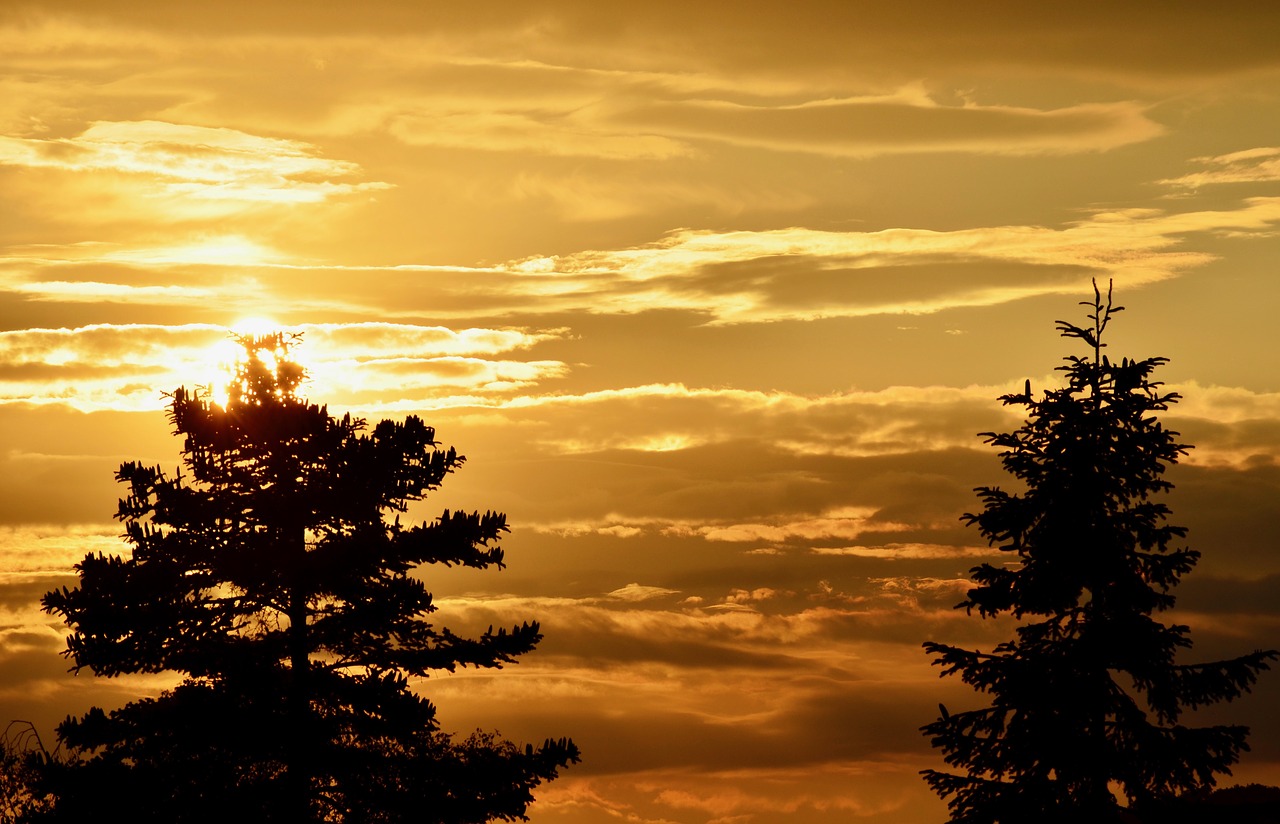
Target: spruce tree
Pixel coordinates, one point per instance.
(1090, 694)
(273, 574)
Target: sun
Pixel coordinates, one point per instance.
(220, 361)
(255, 325)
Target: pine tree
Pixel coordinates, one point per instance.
(275, 576)
(1089, 695)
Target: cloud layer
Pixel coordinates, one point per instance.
(714, 299)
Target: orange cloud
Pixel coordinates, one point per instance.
(527, 132)
(1248, 166)
(907, 551)
(895, 124)
(39, 551)
(128, 367)
(638, 592)
(845, 523)
(193, 161)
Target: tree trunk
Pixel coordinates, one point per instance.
(300, 751)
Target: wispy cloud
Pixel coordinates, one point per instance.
(527, 132)
(639, 592)
(42, 551)
(193, 161)
(1248, 166)
(895, 124)
(841, 524)
(729, 276)
(905, 552)
(638, 122)
(800, 273)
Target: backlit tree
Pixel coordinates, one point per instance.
(1089, 695)
(272, 572)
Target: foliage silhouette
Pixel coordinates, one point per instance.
(274, 578)
(1241, 804)
(22, 757)
(1088, 696)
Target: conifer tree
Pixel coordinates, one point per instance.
(1089, 695)
(273, 574)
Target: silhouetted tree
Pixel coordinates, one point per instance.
(272, 575)
(22, 756)
(1089, 694)
(1242, 804)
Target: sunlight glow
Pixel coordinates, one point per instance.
(218, 363)
(256, 325)
(227, 250)
(217, 370)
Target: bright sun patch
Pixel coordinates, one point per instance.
(218, 366)
(256, 326)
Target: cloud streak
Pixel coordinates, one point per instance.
(1260, 165)
(753, 276)
(895, 124)
(193, 161)
(129, 367)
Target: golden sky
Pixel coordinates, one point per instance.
(714, 297)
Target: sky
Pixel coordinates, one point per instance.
(714, 297)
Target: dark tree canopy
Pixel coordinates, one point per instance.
(1090, 694)
(22, 757)
(273, 573)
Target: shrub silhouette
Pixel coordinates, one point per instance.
(1088, 695)
(270, 573)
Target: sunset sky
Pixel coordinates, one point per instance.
(714, 297)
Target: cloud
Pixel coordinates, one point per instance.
(128, 367)
(875, 792)
(843, 524)
(639, 592)
(372, 339)
(625, 117)
(661, 418)
(96, 292)
(743, 596)
(1228, 426)
(582, 196)
(1249, 166)
(811, 41)
(827, 473)
(140, 261)
(43, 550)
(800, 273)
(895, 124)
(729, 277)
(733, 626)
(193, 161)
(902, 552)
(526, 132)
